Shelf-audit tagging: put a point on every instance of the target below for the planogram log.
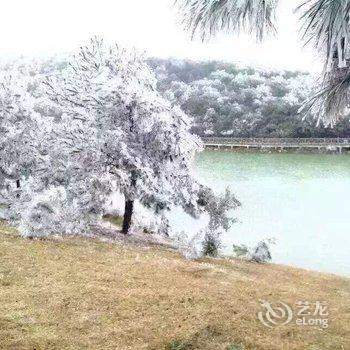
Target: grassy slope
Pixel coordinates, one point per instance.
(83, 294)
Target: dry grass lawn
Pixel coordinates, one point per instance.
(79, 293)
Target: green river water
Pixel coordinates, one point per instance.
(301, 200)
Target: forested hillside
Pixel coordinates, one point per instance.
(225, 99)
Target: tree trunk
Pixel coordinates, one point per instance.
(18, 186)
(129, 208)
(129, 204)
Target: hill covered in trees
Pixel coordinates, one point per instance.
(227, 100)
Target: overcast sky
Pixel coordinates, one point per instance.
(41, 27)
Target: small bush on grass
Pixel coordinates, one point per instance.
(235, 347)
(179, 345)
(259, 254)
(240, 250)
(211, 245)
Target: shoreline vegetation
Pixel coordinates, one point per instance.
(82, 293)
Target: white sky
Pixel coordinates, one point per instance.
(37, 27)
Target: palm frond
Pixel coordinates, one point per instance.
(332, 101)
(326, 25)
(208, 17)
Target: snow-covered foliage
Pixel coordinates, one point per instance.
(21, 129)
(190, 247)
(144, 143)
(219, 208)
(229, 100)
(49, 211)
(207, 241)
(96, 127)
(72, 135)
(208, 17)
(211, 244)
(261, 253)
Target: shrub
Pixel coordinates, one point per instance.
(211, 245)
(259, 254)
(235, 347)
(178, 345)
(240, 250)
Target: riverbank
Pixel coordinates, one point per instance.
(79, 293)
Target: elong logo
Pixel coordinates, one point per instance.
(281, 314)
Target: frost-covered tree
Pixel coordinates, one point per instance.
(95, 127)
(115, 126)
(218, 208)
(207, 242)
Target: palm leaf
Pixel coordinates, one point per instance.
(325, 24)
(331, 102)
(208, 17)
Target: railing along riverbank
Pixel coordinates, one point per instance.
(332, 145)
